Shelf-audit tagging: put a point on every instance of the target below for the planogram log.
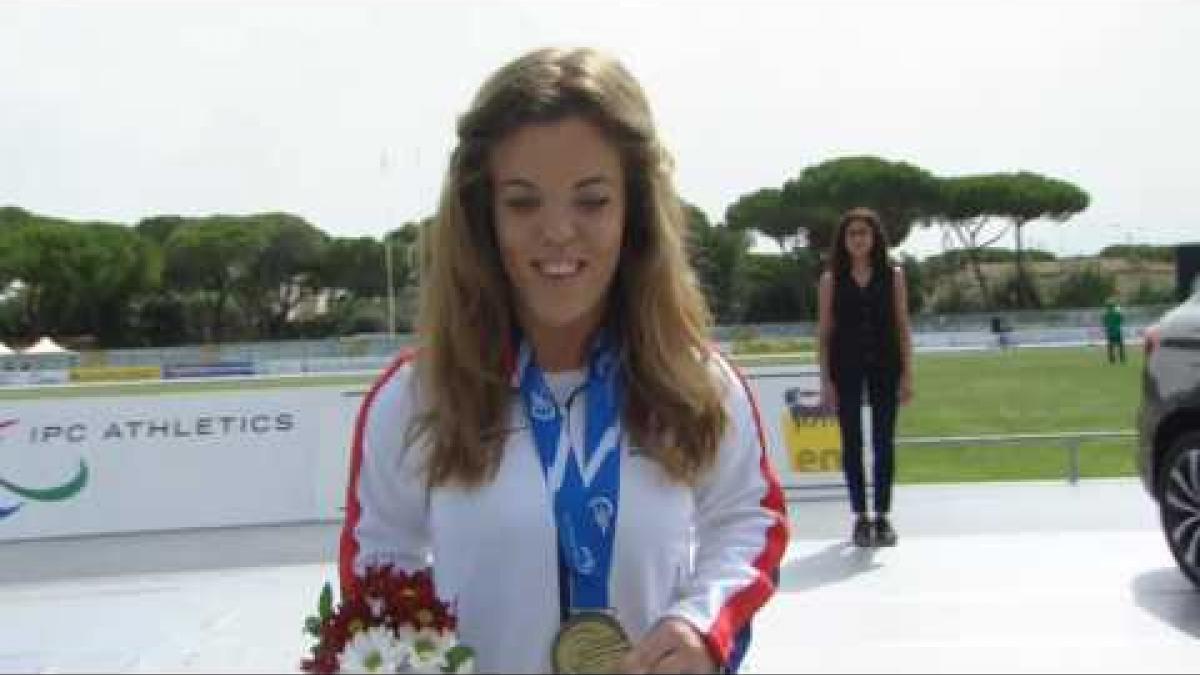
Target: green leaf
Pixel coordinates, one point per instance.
(325, 604)
(456, 657)
(312, 626)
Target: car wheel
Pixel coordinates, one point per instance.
(1179, 502)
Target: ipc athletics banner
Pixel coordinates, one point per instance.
(109, 464)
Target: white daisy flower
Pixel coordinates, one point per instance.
(374, 650)
(429, 649)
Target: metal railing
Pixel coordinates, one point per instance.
(1071, 442)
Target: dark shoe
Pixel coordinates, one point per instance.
(884, 534)
(863, 532)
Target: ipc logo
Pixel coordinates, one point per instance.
(55, 493)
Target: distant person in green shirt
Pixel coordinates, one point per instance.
(1114, 322)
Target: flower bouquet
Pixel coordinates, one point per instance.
(391, 622)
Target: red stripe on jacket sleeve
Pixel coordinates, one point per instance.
(348, 544)
(742, 605)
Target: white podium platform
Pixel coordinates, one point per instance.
(1030, 577)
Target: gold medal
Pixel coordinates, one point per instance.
(589, 642)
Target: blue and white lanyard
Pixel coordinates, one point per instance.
(585, 486)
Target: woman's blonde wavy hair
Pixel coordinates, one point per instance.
(673, 404)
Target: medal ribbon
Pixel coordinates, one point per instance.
(584, 485)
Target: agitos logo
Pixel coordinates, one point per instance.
(56, 493)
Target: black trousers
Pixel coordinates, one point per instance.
(882, 389)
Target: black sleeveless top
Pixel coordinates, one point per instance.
(864, 327)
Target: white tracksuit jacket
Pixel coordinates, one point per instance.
(705, 554)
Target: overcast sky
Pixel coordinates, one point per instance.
(120, 110)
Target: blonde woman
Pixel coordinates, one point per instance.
(585, 476)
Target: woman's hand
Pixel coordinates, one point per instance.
(828, 395)
(906, 388)
(673, 646)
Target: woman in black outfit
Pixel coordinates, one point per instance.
(865, 345)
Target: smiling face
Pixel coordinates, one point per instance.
(559, 213)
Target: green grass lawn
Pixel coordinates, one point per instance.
(1034, 390)
(1109, 459)
(1026, 391)
(957, 394)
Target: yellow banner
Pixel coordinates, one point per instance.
(813, 439)
(116, 373)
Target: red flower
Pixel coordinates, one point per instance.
(397, 598)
